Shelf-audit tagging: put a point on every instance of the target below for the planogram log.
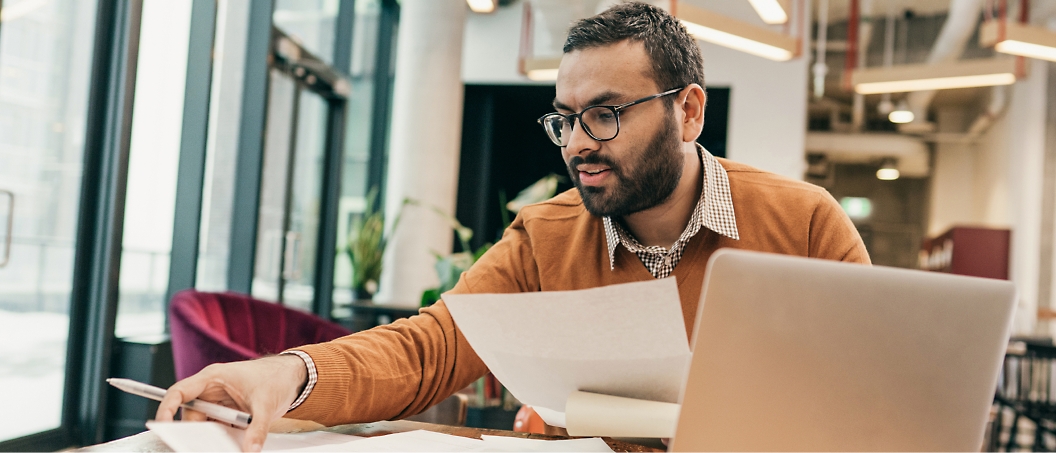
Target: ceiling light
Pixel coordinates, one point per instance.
(888, 171)
(1019, 39)
(902, 114)
(724, 31)
(482, 6)
(540, 69)
(960, 74)
(885, 107)
(771, 11)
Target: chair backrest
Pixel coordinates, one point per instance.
(211, 328)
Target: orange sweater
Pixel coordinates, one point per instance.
(401, 369)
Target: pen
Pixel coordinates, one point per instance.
(212, 410)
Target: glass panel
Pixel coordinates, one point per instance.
(153, 160)
(225, 108)
(302, 234)
(45, 63)
(311, 23)
(282, 96)
(356, 161)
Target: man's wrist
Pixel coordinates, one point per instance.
(307, 376)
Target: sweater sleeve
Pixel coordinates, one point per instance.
(398, 370)
(833, 235)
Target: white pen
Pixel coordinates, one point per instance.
(212, 410)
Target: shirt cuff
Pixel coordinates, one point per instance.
(313, 377)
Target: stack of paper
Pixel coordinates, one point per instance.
(209, 436)
(625, 340)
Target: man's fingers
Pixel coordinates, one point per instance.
(256, 433)
(193, 416)
(181, 392)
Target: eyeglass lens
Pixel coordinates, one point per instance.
(599, 122)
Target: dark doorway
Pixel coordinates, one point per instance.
(504, 150)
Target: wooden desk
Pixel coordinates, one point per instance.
(149, 442)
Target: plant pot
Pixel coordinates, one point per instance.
(361, 295)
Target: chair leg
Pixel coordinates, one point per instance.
(1011, 445)
(996, 426)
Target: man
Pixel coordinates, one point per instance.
(648, 203)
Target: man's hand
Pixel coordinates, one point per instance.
(264, 387)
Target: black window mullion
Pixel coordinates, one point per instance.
(383, 73)
(191, 173)
(249, 163)
(326, 247)
(100, 226)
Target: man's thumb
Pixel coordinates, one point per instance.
(255, 434)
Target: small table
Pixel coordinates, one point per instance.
(367, 315)
(149, 442)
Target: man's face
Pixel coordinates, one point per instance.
(641, 167)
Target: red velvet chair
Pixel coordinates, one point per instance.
(211, 328)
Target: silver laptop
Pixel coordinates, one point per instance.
(797, 354)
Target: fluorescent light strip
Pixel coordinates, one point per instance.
(887, 174)
(736, 42)
(1026, 49)
(481, 6)
(770, 11)
(542, 74)
(901, 116)
(1019, 39)
(938, 83)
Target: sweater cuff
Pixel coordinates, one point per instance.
(313, 377)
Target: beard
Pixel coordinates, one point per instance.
(657, 171)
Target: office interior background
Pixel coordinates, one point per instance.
(150, 146)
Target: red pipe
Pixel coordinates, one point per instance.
(851, 62)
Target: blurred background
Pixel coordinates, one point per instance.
(267, 148)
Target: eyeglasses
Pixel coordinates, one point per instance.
(600, 122)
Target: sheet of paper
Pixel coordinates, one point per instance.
(416, 441)
(210, 436)
(500, 443)
(591, 414)
(195, 436)
(624, 340)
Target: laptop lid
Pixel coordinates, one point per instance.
(803, 354)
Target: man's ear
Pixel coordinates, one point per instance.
(692, 102)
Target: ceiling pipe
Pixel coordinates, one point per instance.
(820, 69)
(865, 36)
(998, 104)
(959, 27)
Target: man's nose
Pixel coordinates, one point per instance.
(579, 141)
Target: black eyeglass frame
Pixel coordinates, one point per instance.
(615, 109)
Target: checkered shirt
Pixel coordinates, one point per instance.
(714, 211)
(313, 377)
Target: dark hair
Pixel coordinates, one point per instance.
(674, 54)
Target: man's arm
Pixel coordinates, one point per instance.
(401, 369)
(833, 235)
(389, 372)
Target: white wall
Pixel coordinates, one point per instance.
(997, 182)
(768, 105)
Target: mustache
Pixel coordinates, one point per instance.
(593, 158)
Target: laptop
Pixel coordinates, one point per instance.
(797, 354)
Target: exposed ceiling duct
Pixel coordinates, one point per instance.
(960, 24)
(872, 148)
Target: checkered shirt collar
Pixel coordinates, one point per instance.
(714, 211)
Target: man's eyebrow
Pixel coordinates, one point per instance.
(596, 100)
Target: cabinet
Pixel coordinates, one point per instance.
(978, 252)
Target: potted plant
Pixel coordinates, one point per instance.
(366, 244)
(450, 267)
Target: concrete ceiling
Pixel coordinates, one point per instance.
(839, 9)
